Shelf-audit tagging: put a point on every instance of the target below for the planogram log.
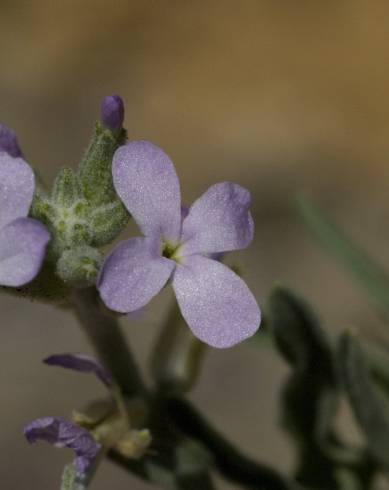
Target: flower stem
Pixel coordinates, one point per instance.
(103, 332)
(177, 356)
(231, 463)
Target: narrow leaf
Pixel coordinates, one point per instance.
(370, 275)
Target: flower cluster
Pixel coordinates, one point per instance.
(89, 208)
(51, 246)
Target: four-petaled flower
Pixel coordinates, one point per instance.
(23, 240)
(215, 302)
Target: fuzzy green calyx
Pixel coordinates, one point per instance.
(67, 188)
(83, 211)
(65, 213)
(95, 168)
(79, 266)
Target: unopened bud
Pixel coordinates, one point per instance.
(9, 142)
(79, 266)
(112, 113)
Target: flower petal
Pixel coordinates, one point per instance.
(62, 433)
(82, 363)
(146, 181)
(217, 305)
(219, 221)
(22, 249)
(133, 274)
(16, 188)
(9, 142)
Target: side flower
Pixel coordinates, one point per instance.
(106, 426)
(23, 240)
(62, 433)
(215, 302)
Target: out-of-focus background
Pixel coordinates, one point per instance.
(278, 96)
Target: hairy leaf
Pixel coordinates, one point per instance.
(310, 394)
(368, 407)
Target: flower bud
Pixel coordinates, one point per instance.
(134, 444)
(79, 266)
(9, 142)
(112, 113)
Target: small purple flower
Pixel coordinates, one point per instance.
(215, 302)
(23, 240)
(82, 363)
(8, 142)
(62, 433)
(112, 113)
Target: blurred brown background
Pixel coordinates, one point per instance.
(278, 96)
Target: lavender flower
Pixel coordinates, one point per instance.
(8, 142)
(82, 363)
(215, 302)
(23, 240)
(112, 113)
(62, 433)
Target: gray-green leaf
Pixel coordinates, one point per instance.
(368, 407)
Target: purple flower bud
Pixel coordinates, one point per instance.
(62, 433)
(82, 363)
(9, 142)
(112, 113)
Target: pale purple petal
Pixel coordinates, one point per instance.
(9, 142)
(112, 112)
(62, 433)
(133, 274)
(82, 363)
(16, 188)
(219, 221)
(217, 305)
(146, 181)
(22, 248)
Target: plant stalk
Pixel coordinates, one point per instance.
(103, 332)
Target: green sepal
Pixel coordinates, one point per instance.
(42, 209)
(107, 222)
(369, 406)
(79, 266)
(95, 168)
(66, 189)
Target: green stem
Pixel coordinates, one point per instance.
(177, 356)
(231, 463)
(103, 332)
(201, 481)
